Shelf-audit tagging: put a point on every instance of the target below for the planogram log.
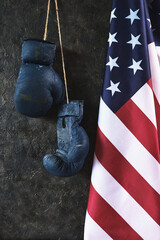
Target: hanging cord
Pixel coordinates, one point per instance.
(60, 41)
(61, 46)
(46, 25)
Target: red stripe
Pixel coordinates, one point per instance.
(108, 219)
(114, 162)
(141, 126)
(157, 109)
(150, 83)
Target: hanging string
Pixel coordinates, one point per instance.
(46, 25)
(60, 41)
(61, 46)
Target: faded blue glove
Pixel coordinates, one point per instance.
(38, 85)
(73, 142)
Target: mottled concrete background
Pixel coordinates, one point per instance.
(33, 203)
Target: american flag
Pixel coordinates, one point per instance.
(124, 198)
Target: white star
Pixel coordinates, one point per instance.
(133, 15)
(153, 29)
(149, 22)
(134, 41)
(111, 38)
(112, 14)
(112, 63)
(136, 66)
(114, 87)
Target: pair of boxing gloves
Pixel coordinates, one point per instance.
(38, 88)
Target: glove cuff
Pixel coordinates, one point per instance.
(38, 52)
(74, 109)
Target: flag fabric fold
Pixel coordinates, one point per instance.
(124, 197)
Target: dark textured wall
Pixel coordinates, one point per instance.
(33, 203)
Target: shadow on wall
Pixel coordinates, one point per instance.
(80, 87)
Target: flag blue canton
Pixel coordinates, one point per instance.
(127, 63)
(154, 12)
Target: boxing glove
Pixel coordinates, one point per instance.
(73, 142)
(38, 85)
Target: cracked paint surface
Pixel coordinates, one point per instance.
(33, 203)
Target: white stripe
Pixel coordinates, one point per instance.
(158, 52)
(129, 146)
(144, 99)
(155, 69)
(119, 199)
(92, 231)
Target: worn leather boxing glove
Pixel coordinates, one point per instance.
(38, 85)
(73, 142)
